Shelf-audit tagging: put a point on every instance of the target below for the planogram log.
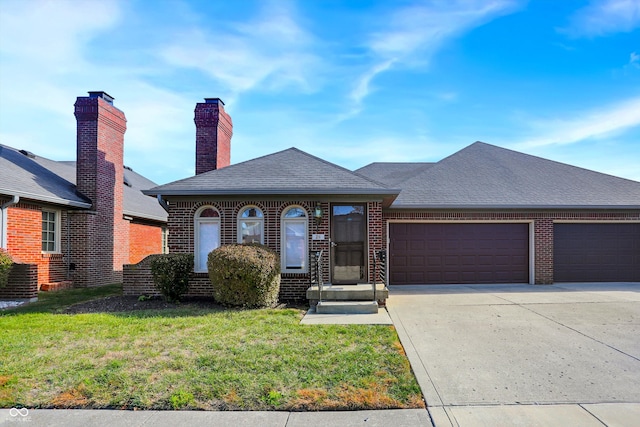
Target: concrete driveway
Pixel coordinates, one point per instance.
(495, 354)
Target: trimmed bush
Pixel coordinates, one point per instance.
(171, 275)
(245, 275)
(5, 267)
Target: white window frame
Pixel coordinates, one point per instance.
(56, 232)
(283, 239)
(259, 220)
(198, 222)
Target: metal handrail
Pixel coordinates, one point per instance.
(379, 270)
(316, 271)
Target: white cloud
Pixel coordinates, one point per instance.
(599, 123)
(42, 50)
(48, 49)
(53, 33)
(415, 33)
(271, 51)
(363, 88)
(604, 17)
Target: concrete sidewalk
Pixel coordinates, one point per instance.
(100, 418)
(559, 355)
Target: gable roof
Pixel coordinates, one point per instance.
(287, 172)
(485, 176)
(40, 179)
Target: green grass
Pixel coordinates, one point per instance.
(54, 302)
(197, 359)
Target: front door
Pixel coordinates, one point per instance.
(348, 243)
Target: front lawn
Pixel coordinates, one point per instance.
(196, 358)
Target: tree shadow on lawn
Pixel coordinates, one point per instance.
(132, 306)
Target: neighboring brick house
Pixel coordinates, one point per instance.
(79, 221)
(482, 215)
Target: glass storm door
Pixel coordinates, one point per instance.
(348, 237)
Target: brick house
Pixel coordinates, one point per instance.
(77, 222)
(482, 215)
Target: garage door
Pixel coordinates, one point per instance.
(596, 253)
(437, 253)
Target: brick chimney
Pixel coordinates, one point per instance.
(213, 135)
(99, 238)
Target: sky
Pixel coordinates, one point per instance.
(352, 82)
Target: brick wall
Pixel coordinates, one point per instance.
(375, 234)
(181, 234)
(138, 280)
(24, 241)
(23, 282)
(100, 177)
(542, 225)
(24, 232)
(214, 129)
(144, 239)
(292, 286)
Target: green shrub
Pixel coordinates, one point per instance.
(171, 275)
(245, 275)
(5, 267)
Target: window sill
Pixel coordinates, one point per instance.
(51, 254)
(294, 273)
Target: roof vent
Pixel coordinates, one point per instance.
(103, 95)
(29, 154)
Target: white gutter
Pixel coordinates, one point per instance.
(3, 220)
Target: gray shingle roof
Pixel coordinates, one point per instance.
(286, 172)
(392, 173)
(38, 179)
(485, 176)
(45, 180)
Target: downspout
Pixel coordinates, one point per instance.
(163, 203)
(3, 220)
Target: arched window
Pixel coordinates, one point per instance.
(207, 236)
(294, 254)
(250, 225)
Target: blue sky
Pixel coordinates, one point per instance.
(349, 81)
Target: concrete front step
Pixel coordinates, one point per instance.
(347, 307)
(360, 292)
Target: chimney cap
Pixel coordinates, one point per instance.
(213, 101)
(101, 94)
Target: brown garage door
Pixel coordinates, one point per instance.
(433, 253)
(596, 253)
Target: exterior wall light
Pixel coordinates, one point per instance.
(317, 214)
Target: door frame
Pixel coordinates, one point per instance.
(365, 255)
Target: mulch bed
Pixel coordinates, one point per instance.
(131, 303)
(121, 303)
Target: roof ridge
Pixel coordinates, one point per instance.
(340, 167)
(544, 159)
